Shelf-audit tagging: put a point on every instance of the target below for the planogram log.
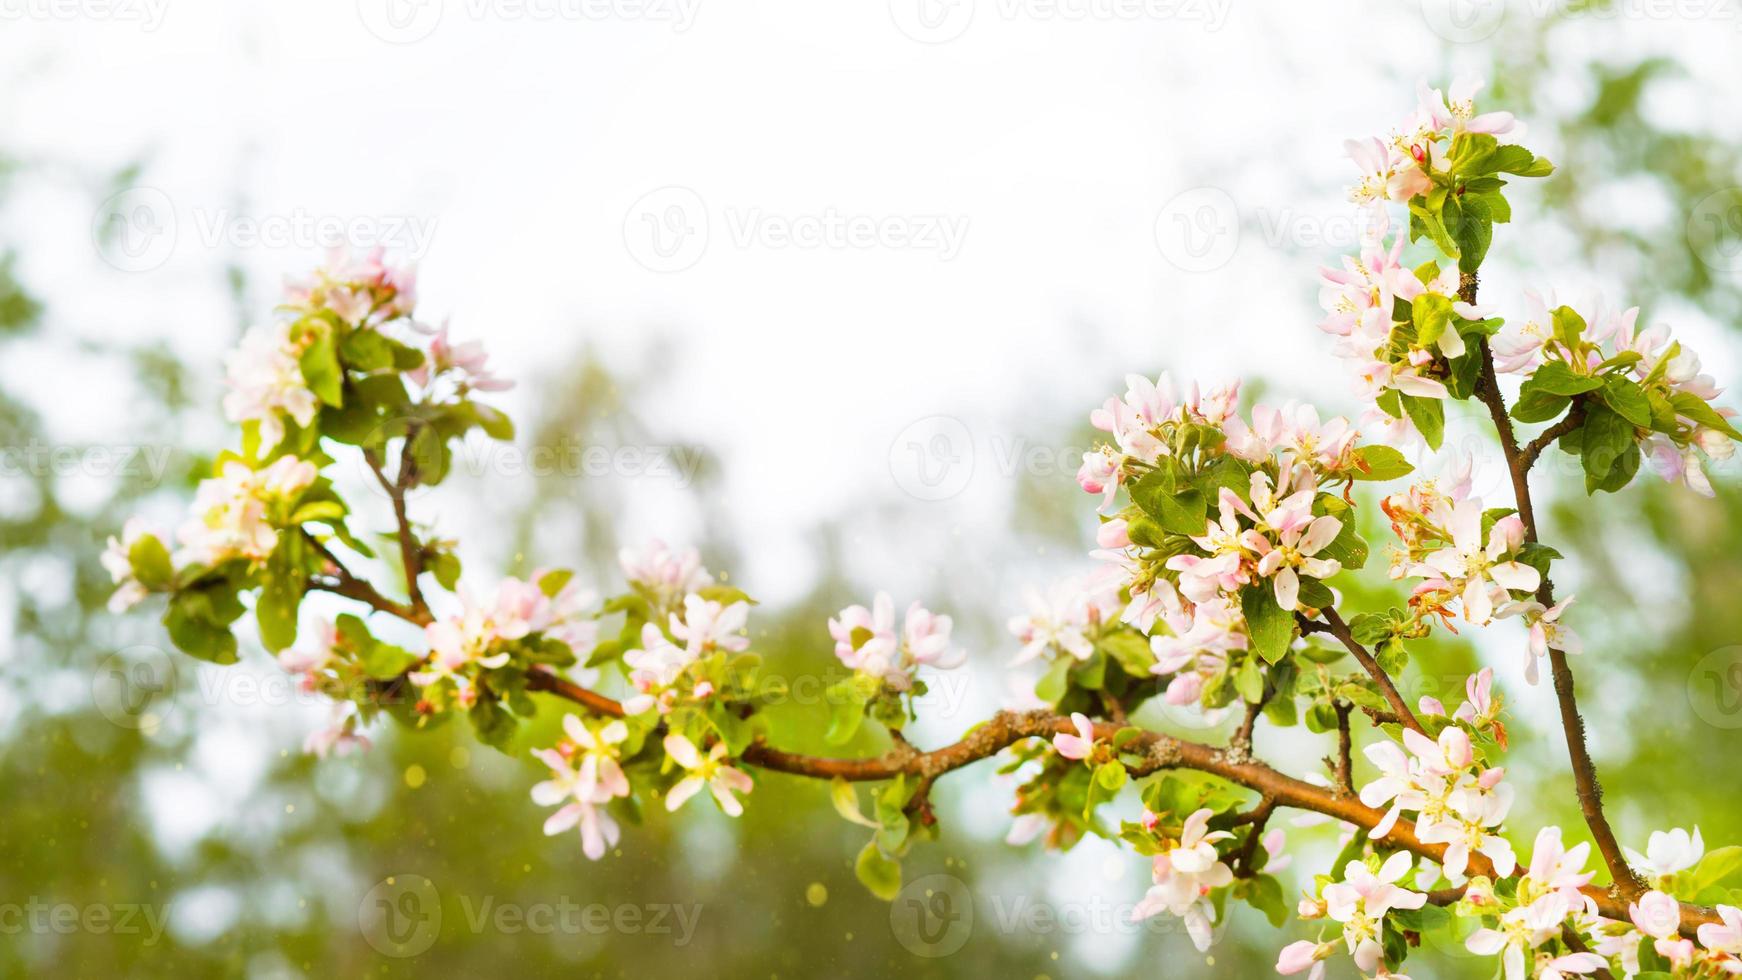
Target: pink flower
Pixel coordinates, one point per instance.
(707, 626)
(1303, 955)
(1386, 173)
(1184, 876)
(665, 574)
(1656, 914)
(1080, 745)
(1558, 868)
(466, 362)
(1725, 938)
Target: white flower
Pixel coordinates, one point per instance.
(710, 771)
(1361, 900)
(1183, 877)
(265, 379)
(1668, 852)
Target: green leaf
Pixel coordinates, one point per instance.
(1271, 626)
(846, 711)
(1380, 463)
(445, 566)
(281, 594)
(846, 801)
(1111, 775)
(1130, 649)
(1539, 406)
(1606, 438)
(494, 422)
(384, 661)
(1429, 416)
(1264, 893)
(1717, 867)
(366, 350)
(492, 723)
(1055, 683)
(880, 875)
(320, 368)
(151, 563)
(1628, 400)
(1249, 681)
(1180, 510)
(1569, 326)
(1694, 407)
(318, 510)
(1555, 378)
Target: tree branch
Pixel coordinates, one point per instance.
(343, 582)
(1589, 789)
(410, 553)
(1339, 629)
(1157, 751)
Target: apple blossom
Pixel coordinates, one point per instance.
(866, 641)
(580, 805)
(1363, 898)
(266, 383)
(1520, 932)
(1668, 853)
(663, 574)
(710, 771)
(1183, 876)
(1080, 745)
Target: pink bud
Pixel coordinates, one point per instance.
(1455, 745)
(1656, 914)
(1113, 534)
(1297, 956)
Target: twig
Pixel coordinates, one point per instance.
(1590, 791)
(1340, 630)
(410, 554)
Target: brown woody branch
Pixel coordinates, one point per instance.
(1518, 463)
(1335, 626)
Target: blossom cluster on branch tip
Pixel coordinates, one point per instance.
(1226, 538)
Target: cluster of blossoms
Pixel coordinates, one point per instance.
(1398, 168)
(235, 515)
(1582, 354)
(1183, 873)
(867, 641)
(680, 628)
(1067, 618)
(1400, 327)
(1359, 903)
(481, 633)
(586, 772)
(1475, 557)
(1221, 508)
(1383, 352)
(1458, 801)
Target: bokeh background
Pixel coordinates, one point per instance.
(640, 207)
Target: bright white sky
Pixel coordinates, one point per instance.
(1020, 167)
